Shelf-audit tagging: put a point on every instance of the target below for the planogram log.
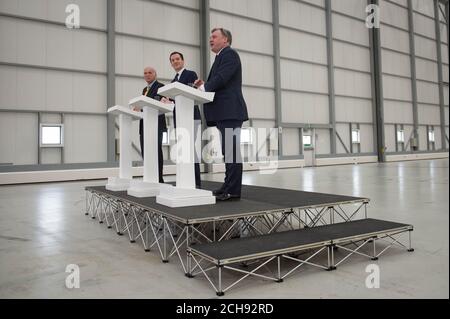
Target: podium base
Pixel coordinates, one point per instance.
(117, 184)
(182, 197)
(145, 189)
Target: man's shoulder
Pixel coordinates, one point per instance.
(159, 84)
(190, 72)
(229, 53)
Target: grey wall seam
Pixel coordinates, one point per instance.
(440, 76)
(111, 78)
(277, 72)
(331, 98)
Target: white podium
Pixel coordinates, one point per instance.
(126, 117)
(185, 193)
(150, 185)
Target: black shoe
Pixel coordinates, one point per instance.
(226, 196)
(217, 192)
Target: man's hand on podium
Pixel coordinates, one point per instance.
(198, 83)
(166, 100)
(136, 109)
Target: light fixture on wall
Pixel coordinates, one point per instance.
(51, 135)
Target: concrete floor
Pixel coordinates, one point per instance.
(43, 229)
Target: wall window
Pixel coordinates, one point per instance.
(52, 135)
(431, 136)
(400, 136)
(356, 138)
(307, 140)
(246, 136)
(165, 138)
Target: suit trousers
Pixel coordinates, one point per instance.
(230, 131)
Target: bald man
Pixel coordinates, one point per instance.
(151, 90)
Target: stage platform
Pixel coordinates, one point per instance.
(261, 210)
(266, 224)
(255, 200)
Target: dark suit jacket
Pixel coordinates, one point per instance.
(187, 77)
(225, 78)
(153, 93)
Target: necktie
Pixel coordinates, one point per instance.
(176, 78)
(147, 90)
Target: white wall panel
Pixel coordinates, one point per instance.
(444, 52)
(446, 94)
(344, 132)
(353, 109)
(396, 63)
(423, 145)
(35, 43)
(366, 134)
(443, 31)
(92, 12)
(424, 26)
(247, 34)
(424, 6)
(395, 39)
(146, 18)
(322, 141)
(396, 88)
(258, 9)
(426, 70)
(352, 83)
(293, 44)
(260, 102)
(320, 3)
(355, 8)
(18, 138)
(398, 112)
(34, 89)
(429, 114)
(351, 56)
(291, 141)
(304, 76)
(304, 108)
(257, 70)
(403, 3)
(394, 15)
(425, 48)
(349, 29)
(389, 135)
(427, 92)
(85, 139)
(302, 16)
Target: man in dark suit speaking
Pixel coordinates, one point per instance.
(228, 110)
(187, 77)
(151, 90)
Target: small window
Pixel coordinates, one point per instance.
(307, 141)
(431, 136)
(165, 138)
(52, 135)
(246, 136)
(356, 138)
(401, 136)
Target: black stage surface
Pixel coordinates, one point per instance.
(255, 200)
(249, 246)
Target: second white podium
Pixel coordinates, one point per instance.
(150, 186)
(185, 193)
